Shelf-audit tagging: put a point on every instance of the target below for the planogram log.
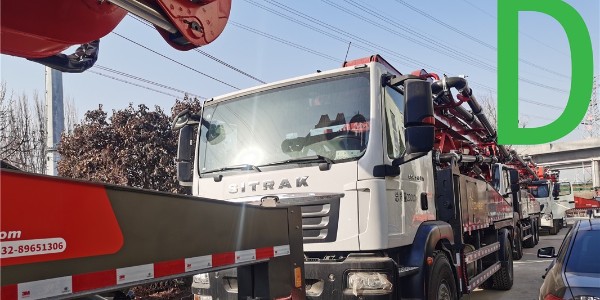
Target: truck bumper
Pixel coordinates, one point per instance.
(325, 279)
(546, 221)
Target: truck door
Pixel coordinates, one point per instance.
(563, 199)
(502, 184)
(409, 195)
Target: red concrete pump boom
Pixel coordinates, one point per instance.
(467, 135)
(40, 30)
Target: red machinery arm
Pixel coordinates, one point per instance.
(467, 135)
(40, 30)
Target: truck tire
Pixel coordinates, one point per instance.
(517, 252)
(554, 229)
(441, 284)
(503, 279)
(536, 231)
(530, 242)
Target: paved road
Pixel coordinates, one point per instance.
(528, 273)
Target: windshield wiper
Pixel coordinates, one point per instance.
(236, 167)
(303, 160)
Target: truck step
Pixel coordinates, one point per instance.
(483, 276)
(479, 253)
(527, 237)
(526, 227)
(404, 271)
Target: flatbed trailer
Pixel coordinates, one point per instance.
(65, 239)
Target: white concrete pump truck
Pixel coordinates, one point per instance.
(556, 197)
(401, 189)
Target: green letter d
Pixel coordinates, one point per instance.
(508, 69)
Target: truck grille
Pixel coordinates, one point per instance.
(320, 220)
(320, 216)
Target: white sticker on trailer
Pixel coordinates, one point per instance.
(136, 273)
(198, 263)
(245, 255)
(45, 288)
(281, 250)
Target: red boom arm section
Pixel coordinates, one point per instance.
(467, 135)
(42, 29)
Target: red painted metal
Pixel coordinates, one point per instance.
(581, 202)
(372, 58)
(211, 15)
(424, 74)
(44, 28)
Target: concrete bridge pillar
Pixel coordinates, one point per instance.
(596, 173)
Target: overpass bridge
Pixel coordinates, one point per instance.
(567, 155)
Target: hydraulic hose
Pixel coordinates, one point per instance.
(522, 162)
(464, 90)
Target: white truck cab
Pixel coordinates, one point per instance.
(555, 199)
(321, 134)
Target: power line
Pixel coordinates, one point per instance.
(348, 36)
(228, 65)
(537, 117)
(479, 41)
(521, 32)
(541, 104)
(175, 61)
(291, 44)
(442, 23)
(212, 57)
(330, 27)
(106, 69)
(413, 36)
(131, 83)
(352, 36)
(459, 55)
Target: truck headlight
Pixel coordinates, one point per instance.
(202, 280)
(360, 281)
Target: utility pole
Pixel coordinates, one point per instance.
(55, 119)
(591, 121)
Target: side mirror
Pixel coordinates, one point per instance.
(184, 118)
(556, 191)
(419, 104)
(184, 155)
(499, 180)
(546, 252)
(418, 120)
(514, 176)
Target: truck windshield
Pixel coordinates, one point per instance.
(328, 118)
(539, 191)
